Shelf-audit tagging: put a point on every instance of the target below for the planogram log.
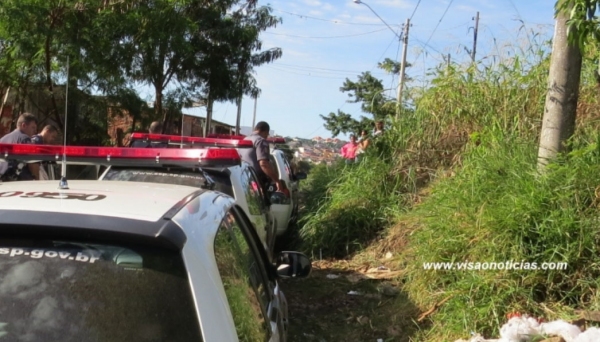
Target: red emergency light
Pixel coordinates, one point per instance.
(276, 140)
(121, 156)
(177, 140)
(226, 136)
(272, 140)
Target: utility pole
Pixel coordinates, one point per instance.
(558, 123)
(239, 115)
(254, 115)
(475, 37)
(402, 68)
(448, 62)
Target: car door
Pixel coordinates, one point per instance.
(294, 187)
(257, 306)
(281, 206)
(260, 196)
(256, 206)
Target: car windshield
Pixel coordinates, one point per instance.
(186, 177)
(66, 291)
(176, 177)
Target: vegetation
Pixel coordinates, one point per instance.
(107, 48)
(457, 181)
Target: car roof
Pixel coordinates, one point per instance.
(131, 212)
(130, 200)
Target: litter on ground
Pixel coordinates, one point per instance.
(523, 328)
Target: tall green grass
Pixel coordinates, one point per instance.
(497, 208)
(482, 123)
(353, 207)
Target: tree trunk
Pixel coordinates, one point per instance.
(208, 121)
(558, 123)
(49, 82)
(158, 108)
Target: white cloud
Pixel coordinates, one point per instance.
(395, 3)
(313, 3)
(329, 8)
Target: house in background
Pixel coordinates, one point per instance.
(119, 125)
(37, 102)
(193, 126)
(115, 121)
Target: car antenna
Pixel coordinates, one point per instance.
(63, 185)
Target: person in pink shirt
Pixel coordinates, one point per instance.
(349, 150)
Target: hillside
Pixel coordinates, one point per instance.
(456, 181)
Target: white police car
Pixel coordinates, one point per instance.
(287, 215)
(284, 209)
(130, 261)
(230, 176)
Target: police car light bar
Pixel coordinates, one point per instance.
(121, 156)
(272, 140)
(193, 141)
(226, 136)
(276, 140)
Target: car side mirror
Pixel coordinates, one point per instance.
(293, 265)
(300, 175)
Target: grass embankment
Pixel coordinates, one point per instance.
(473, 139)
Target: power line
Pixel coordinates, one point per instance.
(302, 74)
(397, 54)
(424, 45)
(436, 27)
(415, 10)
(328, 20)
(326, 37)
(384, 52)
(315, 131)
(316, 68)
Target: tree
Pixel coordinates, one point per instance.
(341, 122)
(367, 90)
(252, 21)
(574, 25)
(158, 40)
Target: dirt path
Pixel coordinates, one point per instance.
(339, 302)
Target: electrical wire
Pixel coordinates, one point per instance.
(436, 27)
(325, 70)
(302, 74)
(327, 20)
(415, 10)
(326, 37)
(397, 55)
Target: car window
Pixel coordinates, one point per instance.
(221, 180)
(66, 291)
(243, 280)
(274, 163)
(288, 167)
(176, 177)
(259, 189)
(253, 193)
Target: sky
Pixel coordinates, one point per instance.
(325, 42)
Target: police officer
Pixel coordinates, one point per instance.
(26, 128)
(258, 157)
